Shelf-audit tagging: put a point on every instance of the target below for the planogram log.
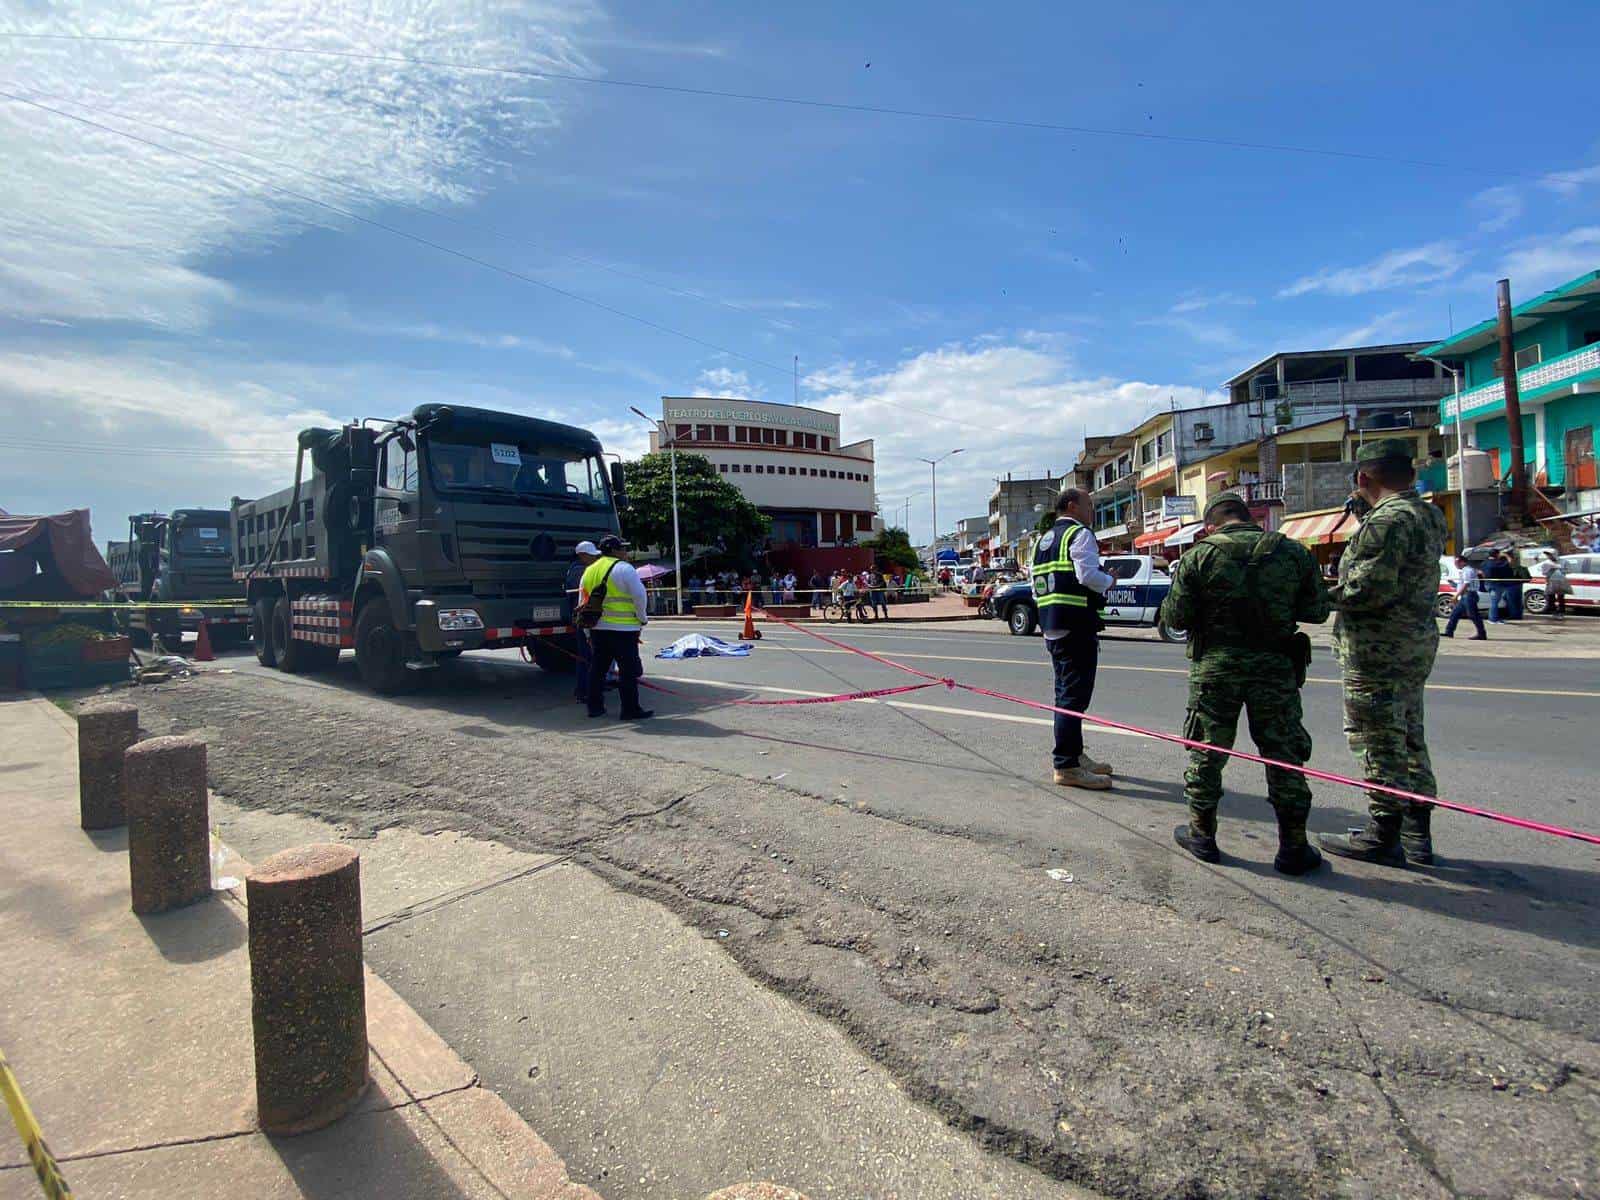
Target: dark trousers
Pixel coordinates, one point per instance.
(1497, 597)
(580, 673)
(1558, 604)
(880, 604)
(620, 646)
(1466, 606)
(1075, 658)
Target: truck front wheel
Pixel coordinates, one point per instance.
(1171, 635)
(261, 632)
(381, 650)
(559, 656)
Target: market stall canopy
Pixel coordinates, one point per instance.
(1186, 535)
(1323, 528)
(51, 558)
(653, 571)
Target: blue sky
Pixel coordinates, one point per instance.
(165, 324)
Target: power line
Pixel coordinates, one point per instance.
(379, 198)
(50, 447)
(796, 101)
(450, 250)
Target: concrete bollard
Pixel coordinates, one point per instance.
(308, 993)
(104, 732)
(169, 832)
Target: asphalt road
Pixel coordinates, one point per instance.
(1040, 965)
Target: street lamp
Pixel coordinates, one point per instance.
(933, 473)
(671, 444)
(1461, 445)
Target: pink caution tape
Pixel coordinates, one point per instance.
(1310, 772)
(842, 696)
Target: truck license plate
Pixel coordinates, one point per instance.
(544, 614)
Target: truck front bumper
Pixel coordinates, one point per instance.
(470, 624)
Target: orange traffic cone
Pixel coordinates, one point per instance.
(202, 645)
(751, 633)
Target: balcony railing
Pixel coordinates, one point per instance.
(1488, 397)
(1336, 392)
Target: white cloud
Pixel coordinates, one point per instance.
(1500, 206)
(1382, 329)
(1009, 408)
(726, 381)
(1195, 301)
(332, 313)
(94, 226)
(1399, 268)
(1539, 263)
(1569, 183)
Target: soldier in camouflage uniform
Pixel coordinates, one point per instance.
(1385, 636)
(1241, 593)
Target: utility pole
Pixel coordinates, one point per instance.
(677, 544)
(1518, 504)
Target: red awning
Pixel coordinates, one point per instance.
(51, 558)
(1320, 528)
(1155, 537)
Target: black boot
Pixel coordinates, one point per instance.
(1199, 838)
(1378, 843)
(1416, 834)
(1295, 856)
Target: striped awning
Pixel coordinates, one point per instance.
(1154, 537)
(1319, 528)
(1186, 535)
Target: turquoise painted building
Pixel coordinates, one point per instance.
(1556, 339)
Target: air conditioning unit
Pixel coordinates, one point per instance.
(1282, 428)
(1203, 431)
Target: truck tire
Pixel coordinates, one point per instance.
(261, 632)
(558, 656)
(1020, 619)
(295, 657)
(1171, 635)
(381, 650)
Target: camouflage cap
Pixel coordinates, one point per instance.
(1384, 448)
(1222, 498)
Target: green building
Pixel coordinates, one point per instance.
(1556, 340)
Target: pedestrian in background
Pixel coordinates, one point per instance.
(878, 590)
(1466, 600)
(1069, 589)
(1556, 585)
(1241, 593)
(1497, 572)
(1519, 575)
(819, 590)
(585, 553)
(615, 636)
(1386, 638)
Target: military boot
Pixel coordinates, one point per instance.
(1199, 837)
(1378, 843)
(1416, 834)
(1295, 856)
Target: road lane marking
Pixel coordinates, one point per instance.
(1039, 662)
(1011, 718)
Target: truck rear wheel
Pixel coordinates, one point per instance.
(261, 632)
(559, 656)
(1171, 635)
(381, 650)
(294, 657)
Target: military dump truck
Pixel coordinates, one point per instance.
(170, 558)
(414, 540)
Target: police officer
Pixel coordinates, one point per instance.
(615, 638)
(1241, 593)
(1069, 590)
(1386, 637)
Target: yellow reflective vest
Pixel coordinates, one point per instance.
(617, 607)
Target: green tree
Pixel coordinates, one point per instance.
(1046, 519)
(711, 511)
(893, 545)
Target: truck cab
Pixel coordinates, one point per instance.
(173, 558)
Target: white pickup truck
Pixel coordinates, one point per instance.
(1142, 583)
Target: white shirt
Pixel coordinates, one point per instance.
(1469, 580)
(624, 577)
(1085, 554)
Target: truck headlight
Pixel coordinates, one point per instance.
(459, 618)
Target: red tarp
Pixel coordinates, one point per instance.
(51, 558)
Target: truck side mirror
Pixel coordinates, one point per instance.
(619, 487)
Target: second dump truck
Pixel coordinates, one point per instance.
(413, 540)
(170, 566)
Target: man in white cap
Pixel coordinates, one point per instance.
(586, 553)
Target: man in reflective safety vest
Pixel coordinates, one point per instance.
(616, 638)
(1069, 591)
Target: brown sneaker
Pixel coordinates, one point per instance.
(1095, 765)
(1082, 777)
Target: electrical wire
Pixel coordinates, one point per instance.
(798, 101)
(455, 253)
(46, 447)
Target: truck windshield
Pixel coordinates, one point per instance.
(547, 473)
(204, 538)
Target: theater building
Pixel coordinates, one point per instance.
(788, 461)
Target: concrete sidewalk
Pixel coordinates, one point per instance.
(130, 1036)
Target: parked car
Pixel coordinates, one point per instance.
(1142, 583)
(1583, 573)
